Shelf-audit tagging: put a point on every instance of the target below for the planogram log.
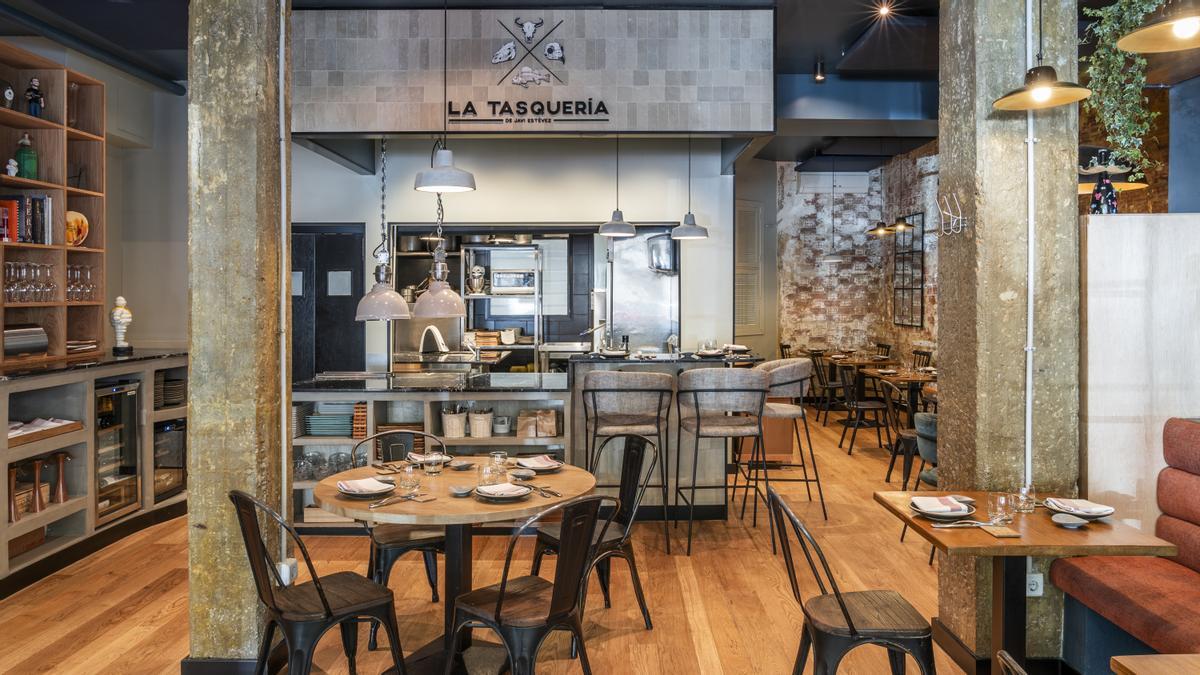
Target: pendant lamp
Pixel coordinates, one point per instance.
(879, 229)
(1042, 87)
(439, 301)
(382, 303)
(1097, 164)
(900, 225)
(1173, 28)
(689, 229)
(616, 226)
(442, 176)
(832, 257)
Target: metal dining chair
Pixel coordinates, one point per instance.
(524, 610)
(304, 611)
(638, 457)
(883, 349)
(921, 358)
(903, 439)
(827, 391)
(836, 622)
(391, 541)
(858, 408)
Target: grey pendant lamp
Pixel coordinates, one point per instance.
(616, 226)
(442, 176)
(382, 303)
(688, 229)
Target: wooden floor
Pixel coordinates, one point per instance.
(726, 609)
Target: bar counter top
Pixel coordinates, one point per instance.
(433, 381)
(21, 371)
(681, 358)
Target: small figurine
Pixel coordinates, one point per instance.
(7, 95)
(120, 318)
(11, 168)
(34, 98)
(27, 158)
(1104, 196)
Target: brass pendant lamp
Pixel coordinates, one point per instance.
(1173, 28)
(1042, 88)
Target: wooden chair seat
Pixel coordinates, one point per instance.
(867, 405)
(620, 425)
(526, 602)
(906, 434)
(874, 613)
(722, 426)
(348, 594)
(397, 535)
(787, 411)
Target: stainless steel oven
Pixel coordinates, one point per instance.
(514, 282)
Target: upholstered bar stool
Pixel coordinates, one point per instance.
(791, 378)
(717, 403)
(623, 403)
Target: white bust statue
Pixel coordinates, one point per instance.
(120, 318)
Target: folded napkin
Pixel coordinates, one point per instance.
(363, 486)
(1080, 506)
(736, 348)
(421, 458)
(539, 462)
(837, 356)
(939, 505)
(502, 490)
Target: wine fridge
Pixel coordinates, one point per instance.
(118, 482)
(170, 459)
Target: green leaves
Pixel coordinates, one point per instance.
(1117, 79)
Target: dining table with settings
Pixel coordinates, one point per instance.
(459, 515)
(1036, 536)
(908, 379)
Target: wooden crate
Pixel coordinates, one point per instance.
(26, 542)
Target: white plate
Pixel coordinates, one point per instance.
(1084, 516)
(523, 474)
(943, 517)
(1068, 521)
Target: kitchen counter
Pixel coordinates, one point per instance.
(684, 358)
(449, 358)
(439, 381)
(101, 360)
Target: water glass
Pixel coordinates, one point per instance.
(408, 480)
(499, 458)
(1026, 499)
(492, 474)
(1000, 508)
(433, 464)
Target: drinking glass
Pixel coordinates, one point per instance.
(51, 287)
(433, 463)
(491, 474)
(1000, 508)
(1026, 499)
(89, 288)
(499, 459)
(408, 480)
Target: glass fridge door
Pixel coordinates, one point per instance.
(118, 483)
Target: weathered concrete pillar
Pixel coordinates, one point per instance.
(982, 287)
(234, 250)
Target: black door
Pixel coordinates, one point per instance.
(327, 283)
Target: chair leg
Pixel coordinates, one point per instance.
(663, 471)
(577, 629)
(892, 463)
(604, 574)
(860, 418)
(692, 501)
(301, 642)
(802, 653)
(453, 653)
(349, 629)
(932, 550)
(737, 472)
(767, 481)
(384, 559)
(922, 653)
(878, 433)
(264, 650)
(896, 661)
(679, 455)
(903, 531)
(431, 572)
(845, 428)
(627, 553)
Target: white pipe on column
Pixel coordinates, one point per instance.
(1031, 260)
(285, 467)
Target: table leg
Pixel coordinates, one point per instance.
(1008, 608)
(431, 658)
(914, 391)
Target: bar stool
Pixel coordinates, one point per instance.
(790, 378)
(718, 403)
(624, 403)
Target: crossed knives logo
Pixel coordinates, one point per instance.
(524, 43)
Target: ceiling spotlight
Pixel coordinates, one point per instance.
(1174, 27)
(819, 71)
(884, 9)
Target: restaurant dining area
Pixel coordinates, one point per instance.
(615, 336)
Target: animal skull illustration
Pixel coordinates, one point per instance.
(554, 52)
(506, 53)
(528, 28)
(527, 76)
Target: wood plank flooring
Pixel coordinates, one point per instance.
(725, 610)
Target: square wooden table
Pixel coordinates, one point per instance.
(1156, 664)
(1039, 538)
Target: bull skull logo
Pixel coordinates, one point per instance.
(528, 28)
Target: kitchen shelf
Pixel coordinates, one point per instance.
(174, 413)
(47, 445)
(52, 512)
(506, 440)
(424, 254)
(325, 440)
(26, 244)
(18, 120)
(504, 348)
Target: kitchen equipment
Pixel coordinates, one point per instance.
(118, 482)
(477, 281)
(25, 339)
(475, 238)
(660, 250)
(170, 458)
(409, 243)
(514, 282)
(501, 425)
(508, 336)
(409, 293)
(522, 238)
(643, 302)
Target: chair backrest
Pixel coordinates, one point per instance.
(785, 350)
(785, 519)
(788, 378)
(891, 396)
(1009, 665)
(576, 550)
(820, 368)
(922, 358)
(883, 349)
(705, 391)
(394, 445)
(848, 376)
(1179, 490)
(262, 565)
(636, 473)
(926, 425)
(620, 392)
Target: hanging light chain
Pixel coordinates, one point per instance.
(381, 252)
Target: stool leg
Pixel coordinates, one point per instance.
(662, 472)
(692, 501)
(803, 464)
(812, 455)
(679, 454)
(766, 480)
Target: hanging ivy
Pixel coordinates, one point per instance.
(1117, 79)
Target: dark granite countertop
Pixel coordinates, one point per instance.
(22, 371)
(684, 358)
(430, 381)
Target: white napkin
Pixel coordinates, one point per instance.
(939, 505)
(1080, 506)
(421, 458)
(539, 462)
(502, 490)
(736, 348)
(363, 486)
(837, 356)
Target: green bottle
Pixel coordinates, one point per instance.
(27, 159)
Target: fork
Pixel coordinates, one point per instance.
(543, 491)
(962, 523)
(392, 500)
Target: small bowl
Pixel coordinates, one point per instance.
(461, 490)
(460, 465)
(523, 474)
(1068, 521)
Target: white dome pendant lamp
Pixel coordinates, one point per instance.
(617, 227)
(688, 229)
(382, 303)
(442, 176)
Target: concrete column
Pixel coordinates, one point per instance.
(982, 287)
(234, 250)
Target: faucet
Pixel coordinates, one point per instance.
(438, 340)
(672, 343)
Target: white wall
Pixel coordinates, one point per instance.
(529, 181)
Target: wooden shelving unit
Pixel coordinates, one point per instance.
(71, 171)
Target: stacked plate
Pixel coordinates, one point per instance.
(80, 346)
(300, 412)
(174, 393)
(502, 493)
(330, 425)
(159, 378)
(1080, 508)
(943, 509)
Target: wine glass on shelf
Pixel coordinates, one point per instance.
(51, 286)
(89, 292)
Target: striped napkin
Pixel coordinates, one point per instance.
(939, 505)
(502, 490)
(539, 462)
(1087, 508)
(363, 486)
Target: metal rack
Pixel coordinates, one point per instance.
(469, 253)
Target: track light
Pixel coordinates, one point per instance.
(819, 71)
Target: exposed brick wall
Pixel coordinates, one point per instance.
(1157, 147)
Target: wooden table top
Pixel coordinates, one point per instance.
(865, 361)
(904, 376)
(1039, 536)
(1156, 664)
(571, 482)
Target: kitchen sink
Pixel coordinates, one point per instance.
(442, 379)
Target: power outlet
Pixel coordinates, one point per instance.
(1034, 586)
(288, 570)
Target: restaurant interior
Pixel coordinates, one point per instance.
(860, 332)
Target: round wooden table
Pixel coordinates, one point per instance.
(459, 515)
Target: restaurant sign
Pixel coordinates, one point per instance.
(556, 70)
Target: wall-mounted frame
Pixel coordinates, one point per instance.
(908, 274)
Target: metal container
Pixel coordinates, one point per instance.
(522, 238)
(409, 293)
(475, 238)
(25, 339)
(409, 243)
